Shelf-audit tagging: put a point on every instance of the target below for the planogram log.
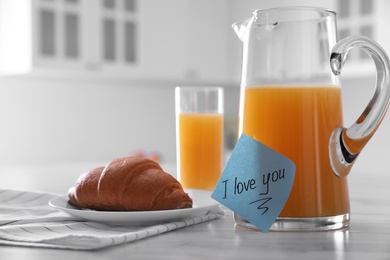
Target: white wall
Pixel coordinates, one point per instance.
(59, 121)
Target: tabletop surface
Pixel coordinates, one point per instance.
(368, 236)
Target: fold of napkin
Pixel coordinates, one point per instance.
(26, 219)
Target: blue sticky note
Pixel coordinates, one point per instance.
(255, 183)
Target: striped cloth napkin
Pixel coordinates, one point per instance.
(26, 219)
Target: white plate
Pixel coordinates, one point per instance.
(202, 203)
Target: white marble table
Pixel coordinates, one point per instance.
(368, 236)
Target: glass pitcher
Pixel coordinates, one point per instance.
(291, 101)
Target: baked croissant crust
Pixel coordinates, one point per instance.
(129, 184)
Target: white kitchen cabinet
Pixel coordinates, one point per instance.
(57, 33)
(180, 40)
(363, 17)
(41, 33)
(117, 29)
(69, 34)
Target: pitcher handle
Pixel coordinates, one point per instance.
(345, 144)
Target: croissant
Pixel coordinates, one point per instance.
(128, 184)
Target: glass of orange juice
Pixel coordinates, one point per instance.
(199, 136)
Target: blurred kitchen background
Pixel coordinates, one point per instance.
(86, 81)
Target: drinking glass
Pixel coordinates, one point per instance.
(199, 136)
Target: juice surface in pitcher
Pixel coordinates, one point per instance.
(201, 143)
(297, 121)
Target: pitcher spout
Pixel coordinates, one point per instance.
(240, 28)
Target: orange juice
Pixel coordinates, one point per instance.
(297, 121)
(200, 154)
